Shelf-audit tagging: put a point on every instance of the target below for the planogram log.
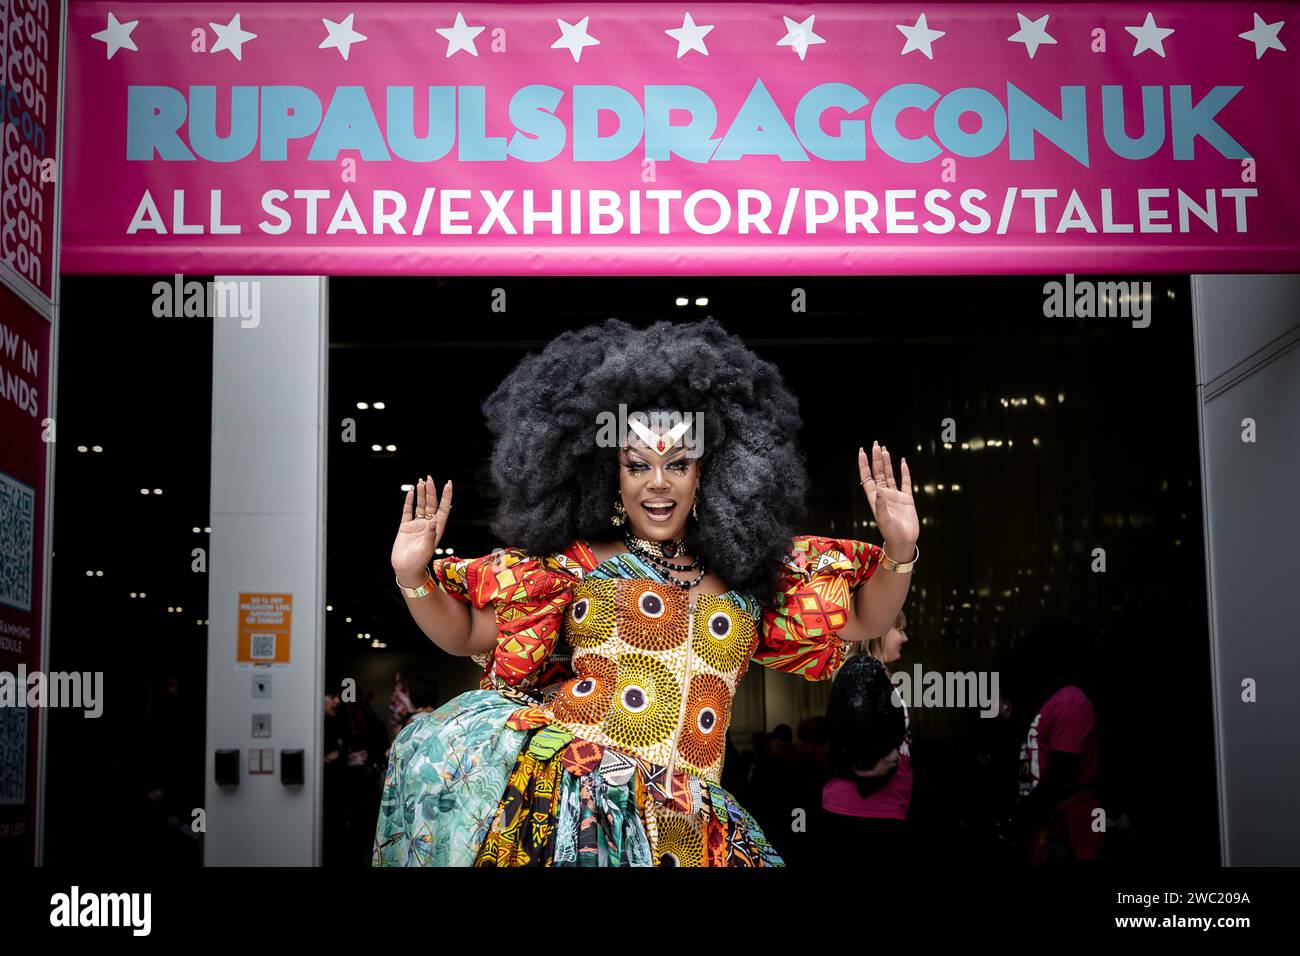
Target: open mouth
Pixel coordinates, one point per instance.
(659, 510)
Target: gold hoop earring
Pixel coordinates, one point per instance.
(620, 513)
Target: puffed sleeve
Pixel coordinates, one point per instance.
(528, 593)
(798, 633)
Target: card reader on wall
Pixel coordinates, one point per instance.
(291, 768)
(227, 763)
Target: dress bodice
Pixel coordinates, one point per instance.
(654, 671)
(615, 654)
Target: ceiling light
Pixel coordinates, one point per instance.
(376, 447)
(362, 405)
(701, 301)
(82, 448)
(157, 491)
(391, 448)
(379, 405)
(682, 301)
(96, 448)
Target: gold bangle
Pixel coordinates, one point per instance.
(423, 590)
(889, 564)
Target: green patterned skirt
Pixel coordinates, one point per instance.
(479, 782)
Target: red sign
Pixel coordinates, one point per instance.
(24, 408)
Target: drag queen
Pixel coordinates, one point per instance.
(645, 575)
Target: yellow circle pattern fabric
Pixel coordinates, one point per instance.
(723, 635)
(591, 615)
(655, 675)
(647, 702)
(680, 841)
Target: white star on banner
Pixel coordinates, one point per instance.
(574, 37)
(117, 36)
(800, 35)
(231, 37)
(1264, 36)
(460, 36)
(689, 36)
(919, 36)
(341, 35)
(1032, 33)
(1149, 36)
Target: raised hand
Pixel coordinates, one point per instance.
(890, 500)
(424, 517)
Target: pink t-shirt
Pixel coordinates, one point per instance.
(890, 802)
(1066, 723)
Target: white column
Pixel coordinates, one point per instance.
(268, 537)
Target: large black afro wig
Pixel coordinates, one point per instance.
(557, 485)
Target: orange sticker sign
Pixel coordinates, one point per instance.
(264, 626)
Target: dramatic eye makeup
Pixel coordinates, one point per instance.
(679, 465)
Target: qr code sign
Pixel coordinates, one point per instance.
(263, 647)
(13, 755)
(17, 512)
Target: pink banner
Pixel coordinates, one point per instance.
(644, 138)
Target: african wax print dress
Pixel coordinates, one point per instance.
(597, 735)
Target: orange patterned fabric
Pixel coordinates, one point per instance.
(798, 635)
(529, 595)
(529, 718)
